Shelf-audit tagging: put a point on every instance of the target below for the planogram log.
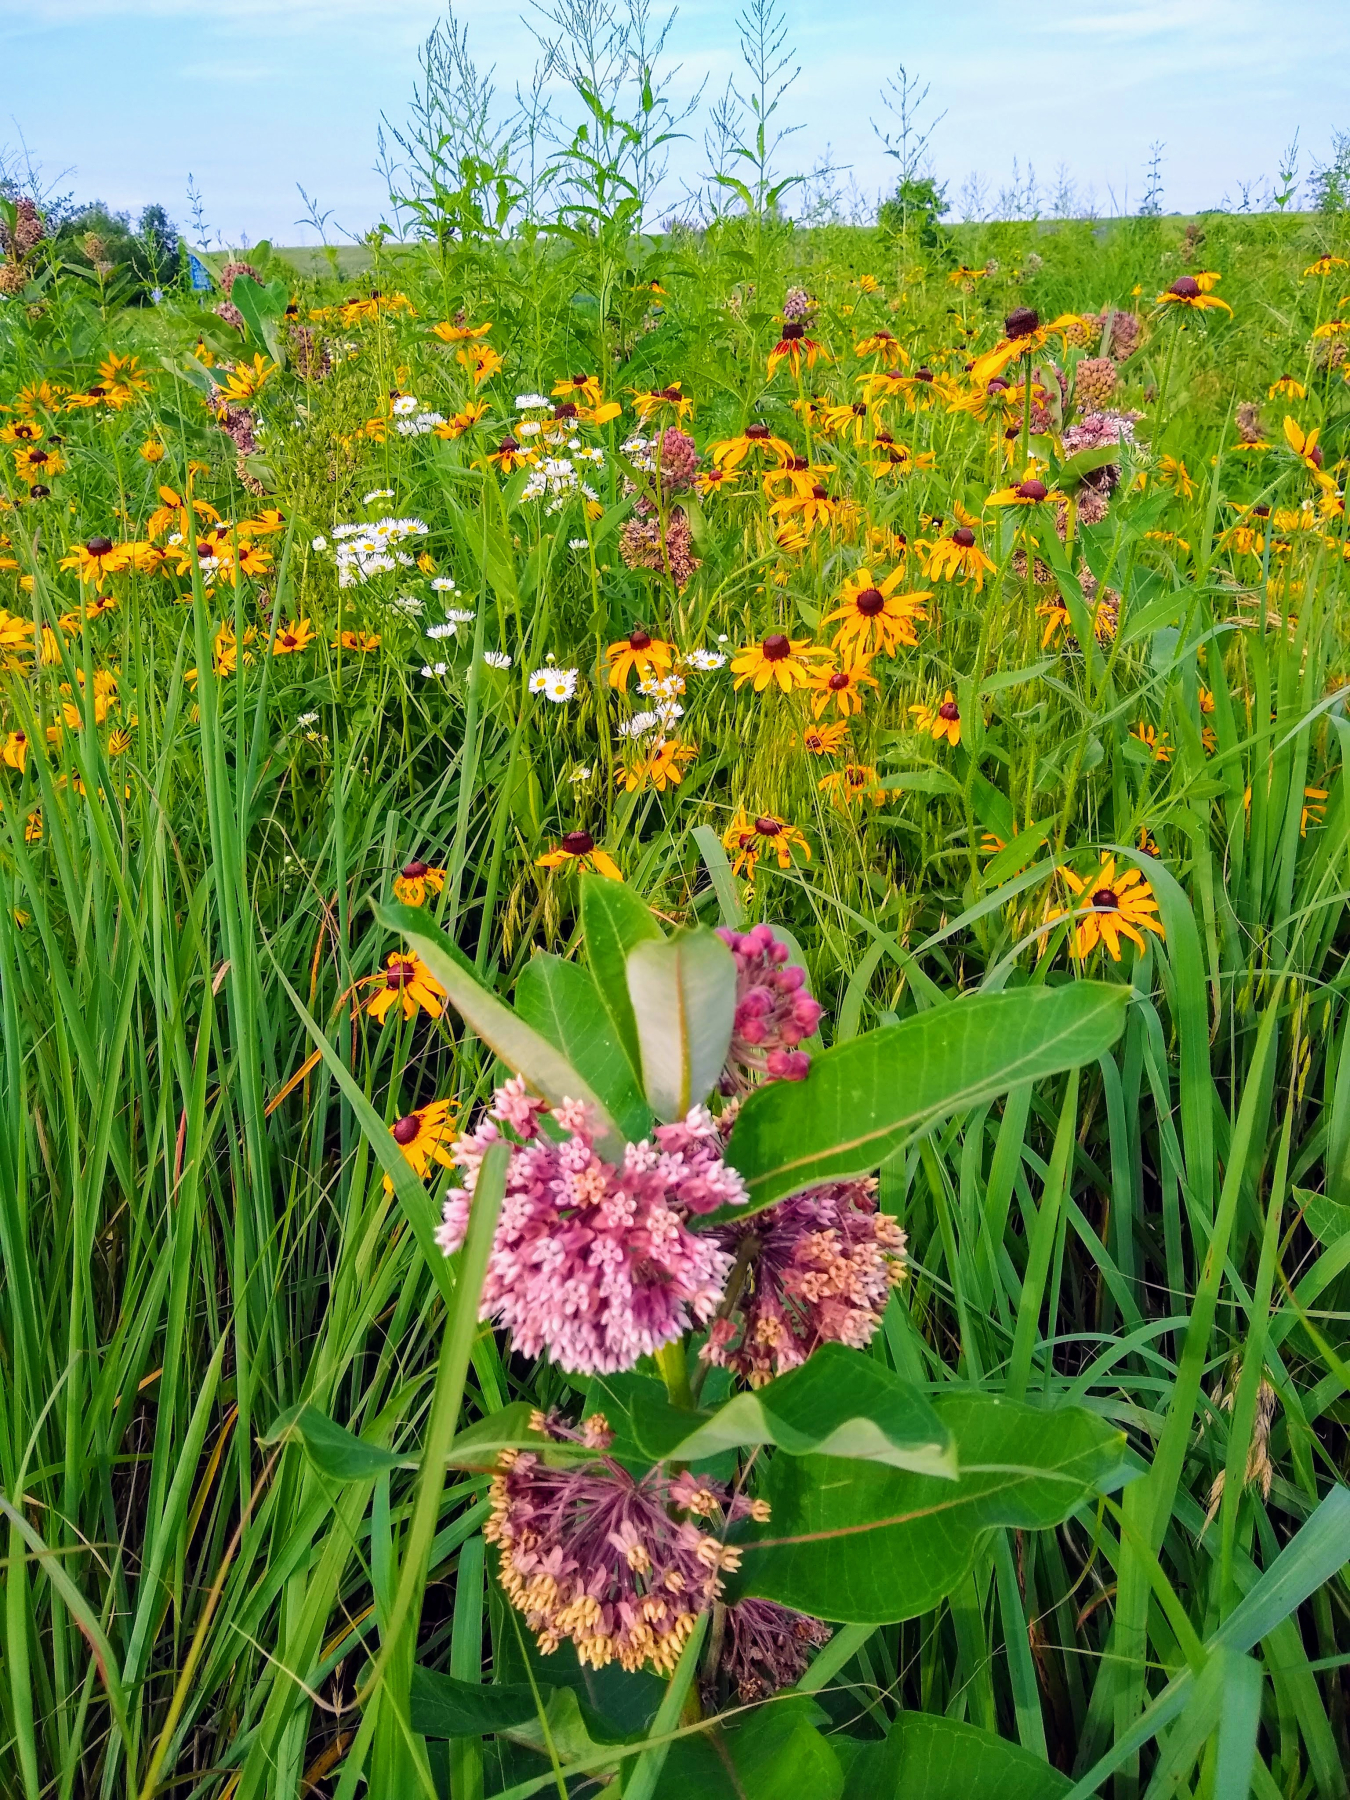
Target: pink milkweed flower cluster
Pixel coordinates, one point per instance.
(592, 1262)
(774, 1011)
(821, 1267)
(592, 1554)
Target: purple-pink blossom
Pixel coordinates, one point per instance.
(592, 1262)
(819, 1269)
(766, 1647)
(593, 1554)
(774, 1011)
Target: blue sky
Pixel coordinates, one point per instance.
(255, 96)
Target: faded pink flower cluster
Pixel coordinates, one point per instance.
(642, 543)
(766, 1647)
(821, 1267)
(591, 1262)
(592, 1554)
(774, 1011)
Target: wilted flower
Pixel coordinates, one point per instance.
(766, 1647)
(593, 1262)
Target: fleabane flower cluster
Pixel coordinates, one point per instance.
(774, 1011)
(362, 551)
(593, 1262)
(559, 478)
(595, 1556)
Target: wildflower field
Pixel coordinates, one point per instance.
(673, 1021)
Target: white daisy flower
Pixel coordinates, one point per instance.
(538, 680)
(704, 660)
(580, 773)
(526, 400)
(496, 659)
(377, 494)
(443, 584)
(638, 726)
(430, 669)
(405, 404)
(561, 686)
(318, 543)
(449, 629)
(578, 543)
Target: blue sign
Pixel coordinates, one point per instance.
(198, 272)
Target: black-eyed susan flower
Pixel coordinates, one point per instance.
(824, 740)
(464, 420)
(415, 880)
(14, 749)
(874, 618)
(854, 782)
(1171, 472)
(956, 557)
(1056, 615)
(1324, 265)
(795, 349)
(1193, 292)
(293, 637)
(425, 1136)
(38, 464)
(482, 362)
(582, 390)
(647, 401)
(1112, 906)
(663, 768)
(152, 451)
(750, 838)
(885, 347)
(1023, 335)
(1314, 808)
(456, 333)
(1031, 491)
(1153, 740)
(841, 688)
(776, 658)
(363, 642)
(407, 982)
(755, 440)
(941, 721)
(510, 454)
(96, 559)
(1306, 448)
(579, 850)
(651, 657)
(1287, 388)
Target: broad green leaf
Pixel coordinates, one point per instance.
(445, 1708)
(864, 1544)
(921, 781)
(684, 1000)
(476, 1447)
(1327, 1219)
(838, 1403)
(519, 1045)
(1083, 462)
(862, 1099)
(773, 1753)
(563, 1004)
(614, 922)
(927, 1757)
(333, 1449)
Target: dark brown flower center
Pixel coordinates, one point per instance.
(775, 647)
(1031, 490)
(794, 332)
(670, 393)
(37, 457)
(95, 393)
(949, 711)
(639, 639)
(1185, 287)
(99, 546)
(508, 446)
(566, 410)
(1021, 322)
(997, 386)
(414, 871)
(838, 681)
(406, 1129)
(963, 536)
(578, 843)
(923, 374)
(580, 380)
(401, 973)
(1105, 900)
(768, 826)
(870, 602)
(819, 493)
(757, 432)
